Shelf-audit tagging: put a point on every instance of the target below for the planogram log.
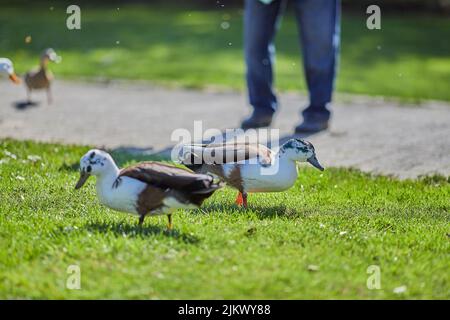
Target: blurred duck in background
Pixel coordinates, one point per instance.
(41, 77)
(6, 66)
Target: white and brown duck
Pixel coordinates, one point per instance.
(146, 188)
(251, 167)
(41, 77)
(6, 66)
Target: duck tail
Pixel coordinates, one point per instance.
(201, 194)
(211, 188)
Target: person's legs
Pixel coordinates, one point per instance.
(260, 24)
(319, 27)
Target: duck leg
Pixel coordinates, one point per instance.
(244, 199)
(241, 199)
(141, 219)
(28, 96)
(49, 96)
(169, 224)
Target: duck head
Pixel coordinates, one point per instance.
(6, 66)
(300, 150)
(95, 162)
(50, 55)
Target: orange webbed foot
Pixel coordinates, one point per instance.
(239, 199)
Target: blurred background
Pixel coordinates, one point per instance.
(198, 44)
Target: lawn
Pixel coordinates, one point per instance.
(314, 241)
(192, 47)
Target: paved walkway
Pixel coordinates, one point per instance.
(370, 134)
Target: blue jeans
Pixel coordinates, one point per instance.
(318, 23)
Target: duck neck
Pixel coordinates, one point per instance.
(107, 179)
(286, 165)
(43, 64)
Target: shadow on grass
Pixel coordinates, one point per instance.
(134, 231)
(262, 212)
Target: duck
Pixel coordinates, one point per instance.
(146, 188)
(6, 66)
(251, 167)
(41, 77)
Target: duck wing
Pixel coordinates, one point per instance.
(221, 153)
(165, 176)
(168, 181)
(38, 79)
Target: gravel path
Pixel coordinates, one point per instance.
(370, 134)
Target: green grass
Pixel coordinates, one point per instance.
(341, 221)
(408, 58)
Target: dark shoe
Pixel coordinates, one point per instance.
(257, 120)
(311, 125)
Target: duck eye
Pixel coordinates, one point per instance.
(89, 169)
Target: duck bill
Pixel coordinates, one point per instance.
(83, 178)
(55, 59)
(14, 78)
(315, 163)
